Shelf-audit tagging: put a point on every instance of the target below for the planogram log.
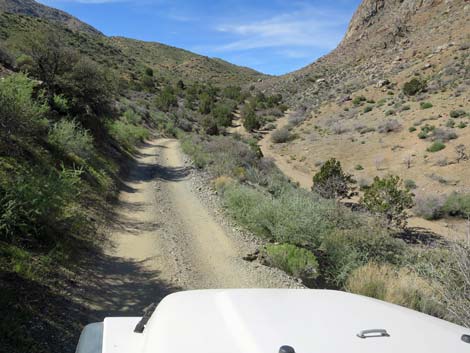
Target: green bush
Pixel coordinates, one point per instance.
(127, 134)
(295, 261)
(250, 119)
(368, 109)
(436, 147)
(412, 129)
(19, 113)
(132, 117)
(413, 87)
(425, 105)
(457, 113)
(388, 198)
(205, 103)
(331, 181)
(36, 203)
(346, 250)
(222, 114)
(358, 167)
(410, 184)
(70, 138)
(457, 205)
(166, 99)
(358, 100)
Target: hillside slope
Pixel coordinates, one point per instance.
(129, 57)
(358, 111)
(35, 9)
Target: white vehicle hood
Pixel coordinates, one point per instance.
(263, 320)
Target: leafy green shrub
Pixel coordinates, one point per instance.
(19, 113)
(206, 102)
(410, 184)
(436, 147)
(166, 99)
(68, 136)
(457, 113)
(281, 135)
(132, 117)
(293, 217)
(358, 100)
(34, 203)
(250, 120)
(462, 125)
(127, 134)
(345, 250)
(387, 197)
(222, 114)
(425, 105)
(60, 103)
(368, 109)
(413, 87)
(331, 181)
(293, 260)
(457, 205)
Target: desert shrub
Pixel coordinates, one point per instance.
(60, 103)
(293, 260)
(293, 217)
(413, 87)
(443, 135)
(250, 119)
(457, 205)
(166, 99)
(6, 58)
(451, 282)
(436, 147)
(343, 251)
(390, 112)
(233, 92)
(425, 105)
(403, 287)
(68, 136)
(331, 181)
(387, 197)
(281, 135)
(339, 129)
(36, 203)
(391, 125)
(429, 206)
(127, 134)
(450, 123)
(368, 109)
(358, 167)
(132, 117)
(410, 184)
(89, 88)
(457, 113)
(193, 147)
(209, 124)
(358, 100)
(412, 129)
(297, 117)
(19, 113)
(206, 102)
(222, 114)
(462, 125)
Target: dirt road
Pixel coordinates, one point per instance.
(166, 239)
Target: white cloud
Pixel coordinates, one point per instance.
(307, 27)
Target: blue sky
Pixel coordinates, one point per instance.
(271, 36)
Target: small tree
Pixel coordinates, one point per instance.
(389, 198)
(205, 103)
(332, 182)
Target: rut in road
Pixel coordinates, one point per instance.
(167, 240)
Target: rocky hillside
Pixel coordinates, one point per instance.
(384, 38)
(35, 9)
(392, 98)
